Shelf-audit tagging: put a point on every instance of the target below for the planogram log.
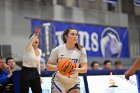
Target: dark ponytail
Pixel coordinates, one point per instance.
(78, 46)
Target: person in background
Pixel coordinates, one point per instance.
(118, 64)
(5, 77)
(6, 67)
(42, 64)
(95, 65)
(107, 65)
(30, 73)
(12, 63)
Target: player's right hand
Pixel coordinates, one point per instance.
(37, 31)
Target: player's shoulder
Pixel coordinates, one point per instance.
(83, 50)
(58, 47)
(61, 46)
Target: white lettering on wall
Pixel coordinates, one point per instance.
(94, 42)
(84, 39)
(59, 37)
(47, 25)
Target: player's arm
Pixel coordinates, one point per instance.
(52, 61)
(136, 64)
(50, 66)
(83, 62)
(133, 68)
(31, 39)
(83, 68)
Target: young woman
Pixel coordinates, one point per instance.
(70, 49)
(31, 65)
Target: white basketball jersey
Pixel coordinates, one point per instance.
(76, 55)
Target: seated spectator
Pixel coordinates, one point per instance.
(118, 64)
(5, 78)
(12, 63)
(95, 65)
(107, 64)
(6, 67)
(42, 64)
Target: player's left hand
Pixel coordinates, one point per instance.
(129, 73)
(75, 70)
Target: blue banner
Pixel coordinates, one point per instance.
(99, 41)
(137, 2)
(111, 1)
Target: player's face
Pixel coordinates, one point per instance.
(36, 41)
(72, 36)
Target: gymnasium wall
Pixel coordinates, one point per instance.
(15, 24)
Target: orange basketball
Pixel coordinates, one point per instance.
(65, 66)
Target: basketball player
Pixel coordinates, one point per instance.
(31, 65)
(131, 71)
(70, 49)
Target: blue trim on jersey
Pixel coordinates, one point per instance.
(57, 87)
(54, 82)
(53, 76)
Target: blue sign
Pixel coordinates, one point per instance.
(111, 1)
(99, 41)
(137, 2)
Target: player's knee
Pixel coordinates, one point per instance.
(74, 91)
